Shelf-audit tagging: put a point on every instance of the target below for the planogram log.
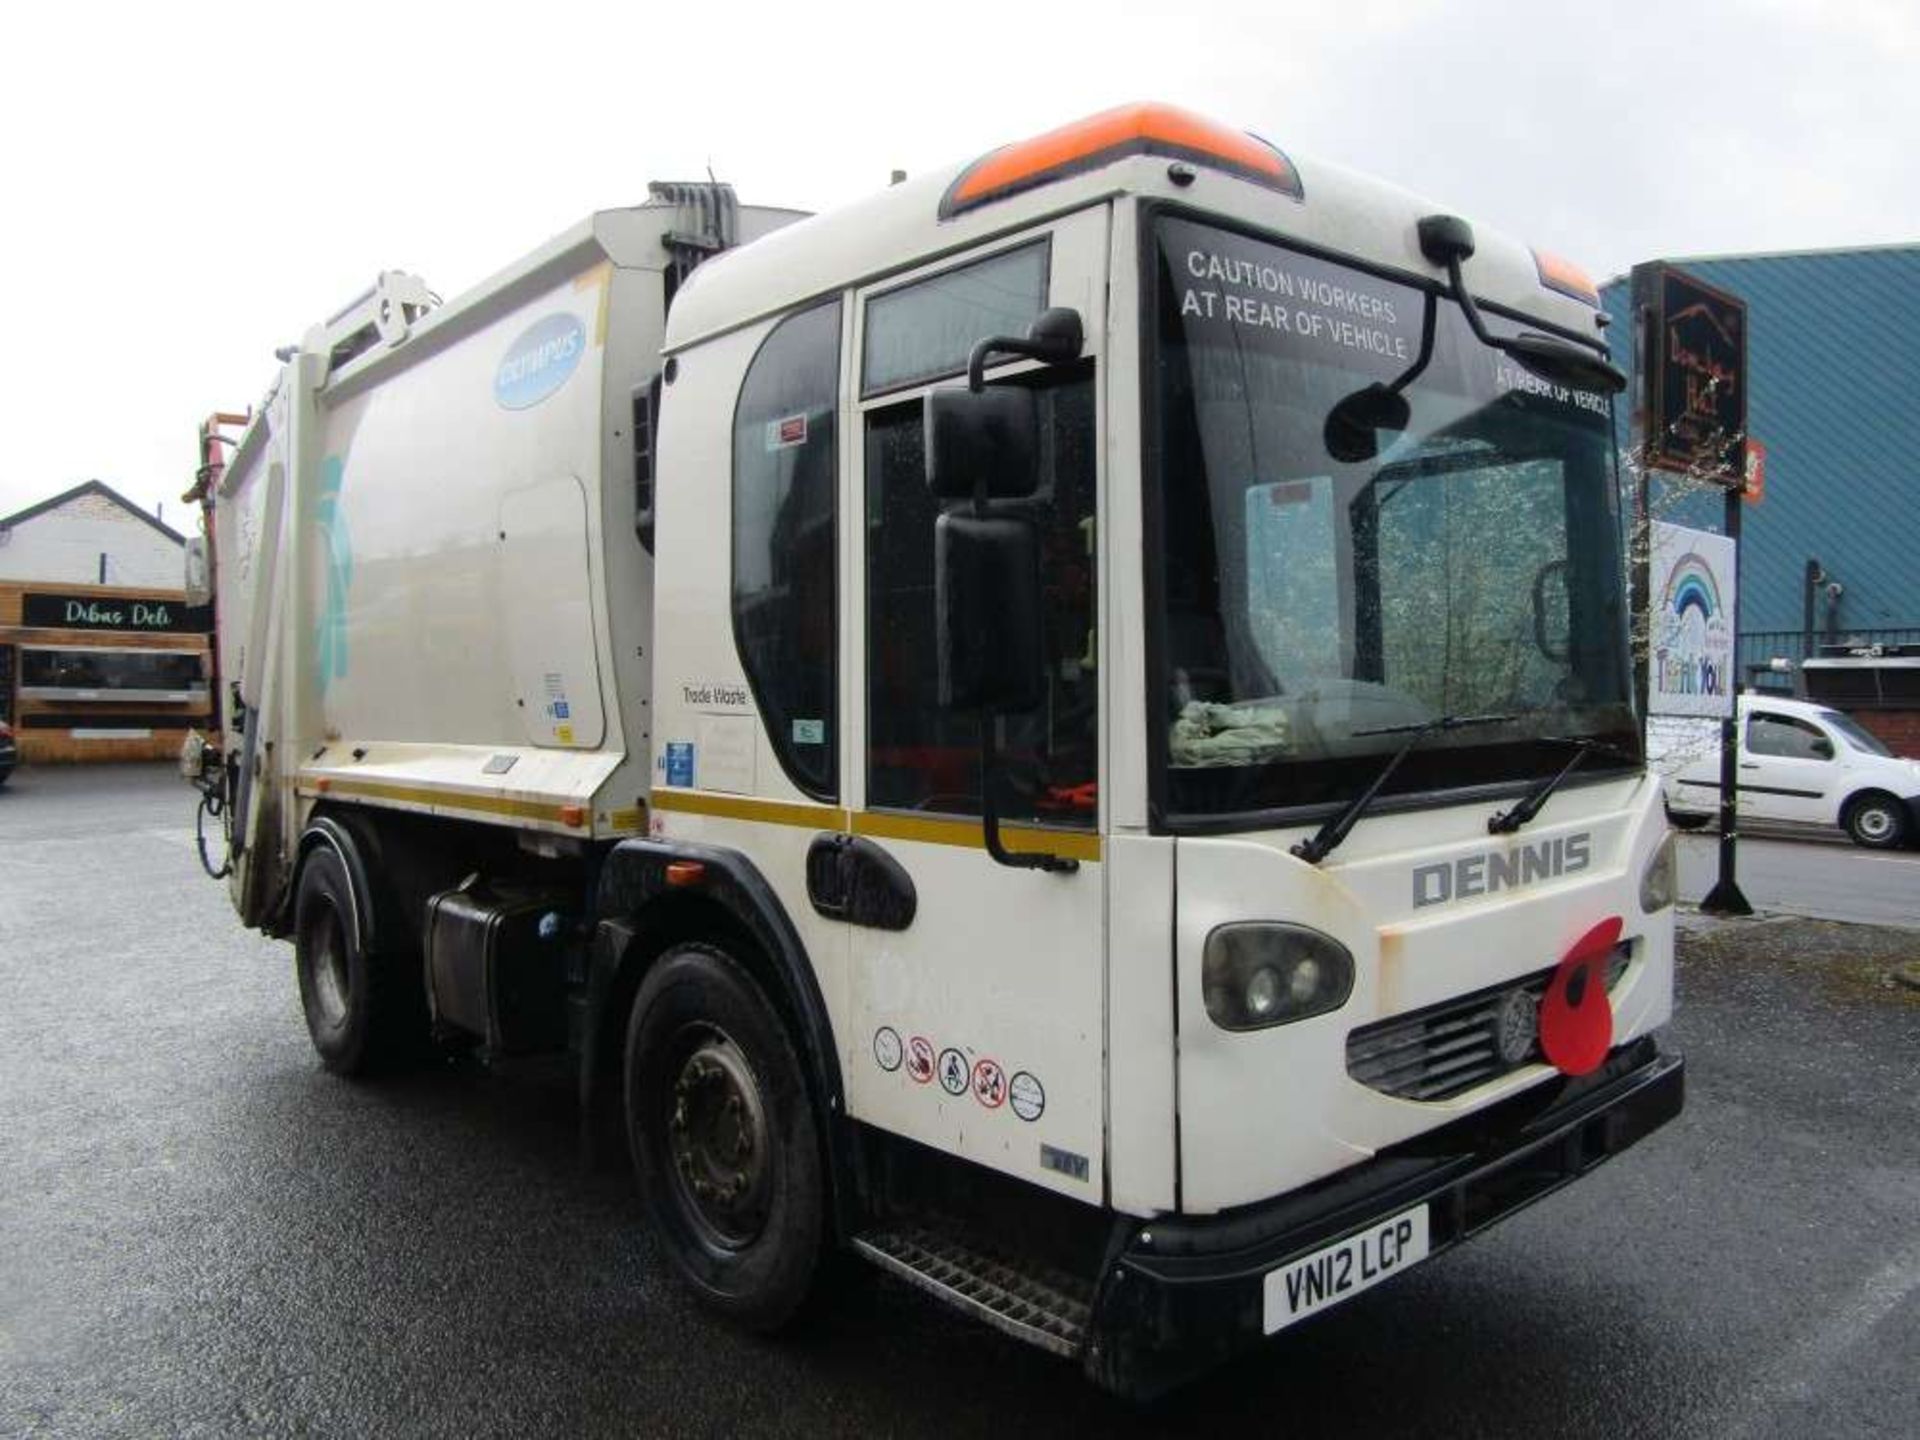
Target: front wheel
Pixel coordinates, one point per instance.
(1877, 821)
(724, 1137)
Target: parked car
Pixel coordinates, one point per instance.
(1805, 764)
(7, 751)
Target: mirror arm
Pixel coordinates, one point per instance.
(1617, 381)
(990, 816)
(1425, 357)
(1055, 339)
(1467, 307)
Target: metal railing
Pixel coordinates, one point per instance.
(1759, 649)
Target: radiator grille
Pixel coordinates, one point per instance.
(1447, 1049)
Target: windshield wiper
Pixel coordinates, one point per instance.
(1329, 835)
(1508, 821)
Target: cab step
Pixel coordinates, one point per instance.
(1037, 1304)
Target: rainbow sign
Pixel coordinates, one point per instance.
(1690, 652)
(1692, 587)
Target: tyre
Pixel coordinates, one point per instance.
(724, 1137)
(1877, 820)
(364, 1012)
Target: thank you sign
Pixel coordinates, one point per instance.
(1690, 623)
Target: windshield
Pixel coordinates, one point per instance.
(1856, 735)
(1471, 567)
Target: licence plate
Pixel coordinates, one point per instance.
(1343, 1269)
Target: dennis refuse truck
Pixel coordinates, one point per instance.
(1067, 728)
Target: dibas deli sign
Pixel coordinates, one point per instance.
(150, 615)
(1697, 374)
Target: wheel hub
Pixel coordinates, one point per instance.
(718, 1141)
(329, 969)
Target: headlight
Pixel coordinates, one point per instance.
(1660, 881)
(1262, 973)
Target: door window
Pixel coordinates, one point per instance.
(1787, 738)
(921, 757)
(927, 329)
(785, 598)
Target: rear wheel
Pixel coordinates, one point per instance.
(724, 1137)
(1877, 820)
(363, 1011)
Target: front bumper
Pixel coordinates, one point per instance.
(1179, 1296)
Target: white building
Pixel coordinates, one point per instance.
(90, 535)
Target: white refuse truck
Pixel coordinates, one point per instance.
(1067, 728)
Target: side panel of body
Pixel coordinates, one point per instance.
(416, 616)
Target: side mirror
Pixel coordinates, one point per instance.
(1351, 427)
(1564, 364)
(1823, 748)
(987, 613)
(982, 441)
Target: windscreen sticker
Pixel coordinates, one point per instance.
(787, 432)
(1235, 291)
(1510, 376)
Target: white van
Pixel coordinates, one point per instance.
(1803, 763)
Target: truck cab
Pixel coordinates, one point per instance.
(1246, 605)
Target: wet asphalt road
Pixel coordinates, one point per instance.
(202, 1233)
(1809, 872)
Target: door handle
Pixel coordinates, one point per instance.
(1749, 764)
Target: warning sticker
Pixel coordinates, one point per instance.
(1026, 1097)
(887, 1050)
(953, 1072)
(920, 1060)
(990, 1084)
(785, 433)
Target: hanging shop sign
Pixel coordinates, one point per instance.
(1694, 371)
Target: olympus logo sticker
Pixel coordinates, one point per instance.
(539, 362)
(1495, 870)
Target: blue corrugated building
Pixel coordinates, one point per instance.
(1833, 362)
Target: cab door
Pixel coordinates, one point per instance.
(979, 1024)
(1788, 769)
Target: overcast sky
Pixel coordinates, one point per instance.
(187, 186)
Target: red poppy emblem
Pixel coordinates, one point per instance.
(1576, 1017)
